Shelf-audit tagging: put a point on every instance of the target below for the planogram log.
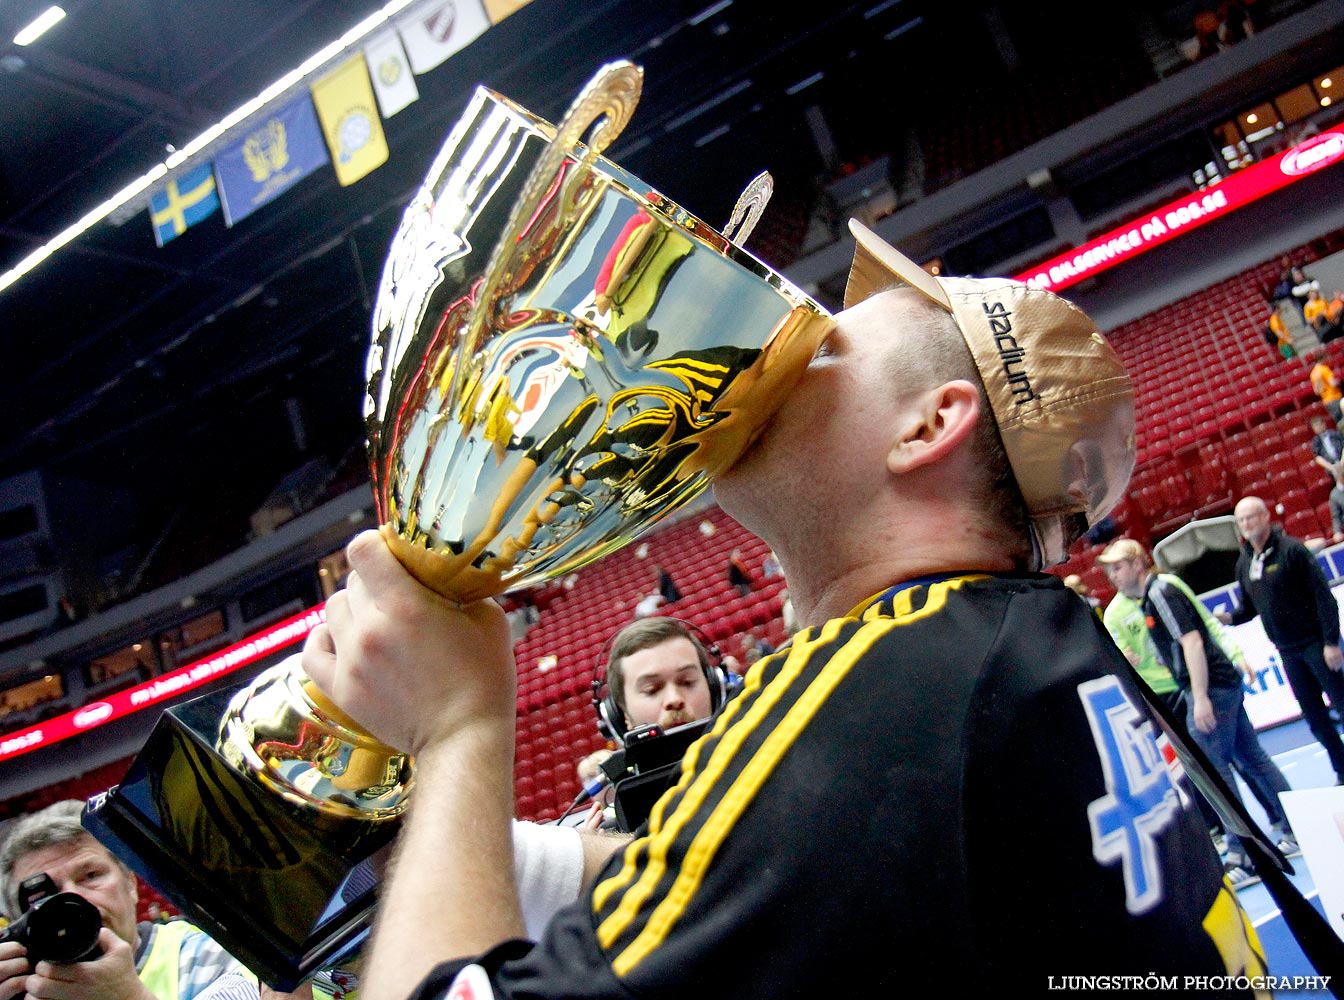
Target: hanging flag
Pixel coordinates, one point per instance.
(393, 81)
(186, 200)
(273, 156)
(435, 33)
(497, 10)
(349, 115)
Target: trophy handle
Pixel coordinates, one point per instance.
(750, 204)
(605, 106)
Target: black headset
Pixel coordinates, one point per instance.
(610, 718)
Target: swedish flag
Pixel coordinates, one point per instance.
(188, 198)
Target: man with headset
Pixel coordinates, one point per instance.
(661, 680)
(843, 826)
(658, 673)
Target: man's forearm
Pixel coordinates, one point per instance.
(598, 849)
(1196, 664)
(451, 892)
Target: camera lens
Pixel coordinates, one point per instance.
(63, 928)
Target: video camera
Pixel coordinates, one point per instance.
(647, 767)
(55, 926)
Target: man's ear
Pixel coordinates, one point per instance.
(933, 425)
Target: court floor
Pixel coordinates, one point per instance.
(1305, 765)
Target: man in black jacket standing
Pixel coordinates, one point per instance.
(1281, 582)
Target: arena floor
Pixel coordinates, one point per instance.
(1305, 765)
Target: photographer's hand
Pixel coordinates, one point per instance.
(14, 970)
(109, 977)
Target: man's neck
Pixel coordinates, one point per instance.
(1141, 588)
(816, 600)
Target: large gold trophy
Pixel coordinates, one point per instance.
(561, 357)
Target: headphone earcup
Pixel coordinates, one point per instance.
(717, 679)
(611, 721)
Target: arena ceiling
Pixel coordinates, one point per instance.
(214, 365)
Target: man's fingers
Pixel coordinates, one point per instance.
(318, 658)
(370, 557)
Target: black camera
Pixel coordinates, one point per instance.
(55, 926)
(647, 767)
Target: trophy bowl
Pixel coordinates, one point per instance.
(561, 356)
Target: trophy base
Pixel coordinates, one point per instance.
(285, 888)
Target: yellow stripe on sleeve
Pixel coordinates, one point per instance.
(603, 891)
(611, 928)
(707, 841)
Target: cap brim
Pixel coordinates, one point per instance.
(877, 264)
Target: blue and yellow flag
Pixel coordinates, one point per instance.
(187, 199)
(274, 155)
(348, 112)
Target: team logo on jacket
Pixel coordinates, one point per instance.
(1140, 800)
(471, 984)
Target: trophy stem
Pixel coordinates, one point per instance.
(284, 732)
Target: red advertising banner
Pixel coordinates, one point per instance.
(160, 689)
(1184, 214)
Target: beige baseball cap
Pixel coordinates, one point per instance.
(1061, 398)
(1123, 550)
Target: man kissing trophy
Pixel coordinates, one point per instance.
(561, 357)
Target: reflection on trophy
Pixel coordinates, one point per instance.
(561, 357)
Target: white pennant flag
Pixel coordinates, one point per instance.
(393, 82)
(434, 34)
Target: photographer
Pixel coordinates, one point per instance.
(144, 961)
(658, 673)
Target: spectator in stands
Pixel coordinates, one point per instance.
(1215, 711)
(1303, 286)
(1282, 583)
(738, 574)
(648, 605)
(1336, 501)
(867, 793)
(1283, 288)
(1326, 386)
(770, 566)
(757, 641)
(667, 587)
(1327, 446)
(1237, 20)
(139, 961)
(1277, 334)
(1206, 40)
(1334, 309)
(1316, 312)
